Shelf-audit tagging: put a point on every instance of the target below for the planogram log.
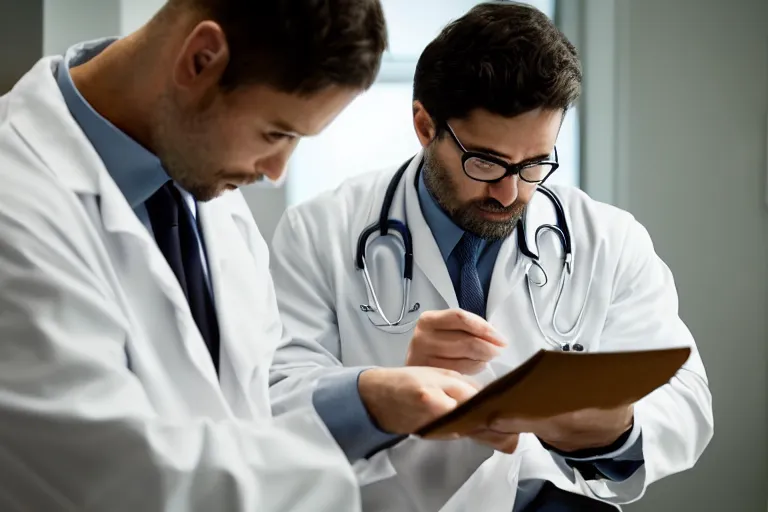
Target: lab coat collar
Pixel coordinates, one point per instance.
(137, 172)
(44, 121)
(425, 249)
(447, 234)
(511, 265)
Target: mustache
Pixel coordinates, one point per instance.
(492, 205)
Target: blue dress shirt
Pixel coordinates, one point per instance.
(447, 235)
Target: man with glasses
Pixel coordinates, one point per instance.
(490, 94)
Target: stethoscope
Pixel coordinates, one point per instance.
(535, 273)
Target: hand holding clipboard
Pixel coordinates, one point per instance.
(554, 383)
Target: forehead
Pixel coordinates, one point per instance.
(303, 114)
(524, 136)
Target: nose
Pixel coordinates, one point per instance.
(274, 165)
(505, 191)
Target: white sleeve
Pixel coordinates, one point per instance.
(311, 357)
(311, 348)
(79, 433)
(676, 420)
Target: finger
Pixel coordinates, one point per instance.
(467, 379)
(510, 445)
(460, 320)
(463, 366)
(489, 436)
(459, 389)
(516, 425)
(444, 437)
(439, 402)
(459, 345)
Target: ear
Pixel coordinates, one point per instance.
(202, 60)
(423, 123)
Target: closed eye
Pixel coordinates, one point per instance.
(274, 137)
(484, 164)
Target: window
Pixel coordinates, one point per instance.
(376, 130)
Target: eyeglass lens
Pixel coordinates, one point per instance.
(480, 169)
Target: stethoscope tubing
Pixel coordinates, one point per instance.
(385, 224)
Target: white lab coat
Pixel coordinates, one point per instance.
(632, 304)
(108, 397)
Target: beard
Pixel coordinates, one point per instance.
(185, 149)
(468, 215)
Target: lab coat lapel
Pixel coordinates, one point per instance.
(136, 244)
(426, 254)
(507, 275)
(509, 303)
(248, 331)
(509, 269)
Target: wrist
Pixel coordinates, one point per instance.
(587, 451)
(371, 393)
(337, 401)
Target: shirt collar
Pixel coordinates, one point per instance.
(446, 233)
(136, 171)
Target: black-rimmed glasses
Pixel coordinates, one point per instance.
(489, 169)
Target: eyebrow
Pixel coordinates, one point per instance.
(489, 151)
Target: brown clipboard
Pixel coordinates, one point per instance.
(556, 382)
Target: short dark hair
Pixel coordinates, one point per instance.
(298, 46)
(504, 57)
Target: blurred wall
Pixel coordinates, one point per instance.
(21, 39)
(688, 139)
(135, 13)
(67, 22)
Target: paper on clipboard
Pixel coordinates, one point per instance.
(554, 382)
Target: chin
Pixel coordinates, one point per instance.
(208, 193)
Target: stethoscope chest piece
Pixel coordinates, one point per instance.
(536, 274)
(395, 234)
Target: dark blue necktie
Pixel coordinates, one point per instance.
(471, 296)
(174, 229)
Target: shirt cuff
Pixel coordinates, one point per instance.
(338, 403)
(617, 462)
(630, 449)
